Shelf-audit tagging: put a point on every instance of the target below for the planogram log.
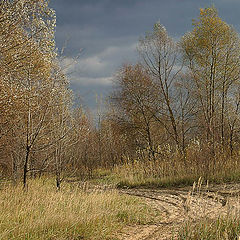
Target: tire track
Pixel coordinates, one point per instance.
(181, 205)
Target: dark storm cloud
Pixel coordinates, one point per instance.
(108, 31)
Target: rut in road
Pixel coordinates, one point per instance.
(178, 206)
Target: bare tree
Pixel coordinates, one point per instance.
(160, 57)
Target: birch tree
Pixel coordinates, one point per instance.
(211, 51)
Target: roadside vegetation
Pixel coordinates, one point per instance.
(174, 173)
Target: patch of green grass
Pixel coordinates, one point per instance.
(226, 177)
(158, 182)
(135, 180)
(177, 181)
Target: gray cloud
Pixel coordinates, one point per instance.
(108, 31)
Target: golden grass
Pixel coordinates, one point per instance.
(44, 213)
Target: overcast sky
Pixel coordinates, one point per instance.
(106, 32)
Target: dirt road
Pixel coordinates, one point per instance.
(180, 205)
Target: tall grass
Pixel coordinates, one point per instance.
(227, 228)
(43, 213)
(174, 170)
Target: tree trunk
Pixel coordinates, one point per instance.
(25, 170)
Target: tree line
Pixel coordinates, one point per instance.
(181, 97)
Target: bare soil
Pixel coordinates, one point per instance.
(177, 206)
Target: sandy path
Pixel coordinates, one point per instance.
(180, 205)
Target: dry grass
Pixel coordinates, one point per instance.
(174, 171)
(227, 228)
(44, 213)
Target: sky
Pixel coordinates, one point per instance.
(100, 35)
